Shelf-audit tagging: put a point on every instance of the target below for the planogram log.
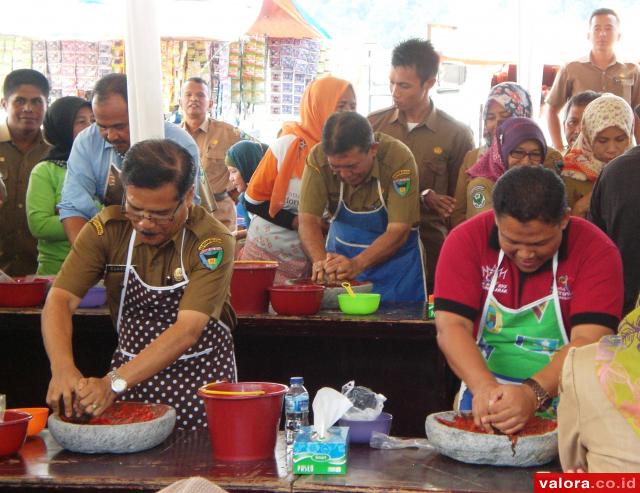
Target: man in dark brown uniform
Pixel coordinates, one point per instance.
(21, 148)
(438, 142)
(167, 266)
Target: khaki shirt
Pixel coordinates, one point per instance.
(214, 139)
(101, 250)
(621, 79)
(474, 195)
(393, 166)
(576, 189)
(18, 250)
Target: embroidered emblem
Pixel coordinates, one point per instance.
(177, 275)
(95, 222)
(402, 182)
(478, 199)
(212, 257)
(208, 242)
(437, 150)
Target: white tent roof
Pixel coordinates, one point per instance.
(105, 19)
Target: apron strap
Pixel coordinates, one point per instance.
(384, 205)
(184, 272)
(127, 271)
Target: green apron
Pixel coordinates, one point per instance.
(518, 343)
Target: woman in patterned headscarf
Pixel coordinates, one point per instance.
(505, 100)
(607, 126)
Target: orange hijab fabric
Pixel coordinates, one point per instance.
(318, 102)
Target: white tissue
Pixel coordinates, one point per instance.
(328, 407)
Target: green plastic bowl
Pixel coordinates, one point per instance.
(360, 304)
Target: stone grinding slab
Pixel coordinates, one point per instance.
(117, 438)
(484, 448)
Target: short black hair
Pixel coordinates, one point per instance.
(527, 193)
(603, 11)
(581, 99)
(25, 76)
(198, 80)
(109, 85)
(156, 162)
(345, 130)
(418, 53)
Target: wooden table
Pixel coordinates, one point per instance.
(42, 466)
(394, 352)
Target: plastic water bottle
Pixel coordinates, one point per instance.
(296, 409)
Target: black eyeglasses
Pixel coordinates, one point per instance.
(159, 219)
(534, 156)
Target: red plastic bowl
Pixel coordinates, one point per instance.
(296, 300)
(13, 431)
(23, 292)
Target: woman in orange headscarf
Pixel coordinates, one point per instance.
(274, 190)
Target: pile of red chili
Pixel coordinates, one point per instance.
(535, 426)
(122, 413)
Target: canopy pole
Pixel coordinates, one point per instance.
(144, 72)
(530, 66)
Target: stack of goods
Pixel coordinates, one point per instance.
(15, 52)
(254, 58)
(170, 53)
(294, 63)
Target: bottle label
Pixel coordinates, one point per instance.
(297, 404)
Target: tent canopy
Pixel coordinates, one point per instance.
(286, 19)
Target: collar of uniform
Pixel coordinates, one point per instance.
(204, 126)
(494, 243)
(5, 135)
(430, 121)
(588, 60)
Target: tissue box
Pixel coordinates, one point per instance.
(314, 456)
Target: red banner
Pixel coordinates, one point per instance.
(592, 482)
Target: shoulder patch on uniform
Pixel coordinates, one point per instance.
(211, 257)
(97, 225)
(402, 182)
(478, 196)
(208, 242)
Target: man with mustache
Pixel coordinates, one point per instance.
(96, 157)
(21, 147)
(214, 139)
(167, 266)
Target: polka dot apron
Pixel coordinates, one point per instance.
(145, 312)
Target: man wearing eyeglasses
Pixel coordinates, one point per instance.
(516, 287)
(167, 266)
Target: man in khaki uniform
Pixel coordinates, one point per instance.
(438, 142)
(167, 266)
(25, 95)
(368, 183)
(599, 71)
(213, 138)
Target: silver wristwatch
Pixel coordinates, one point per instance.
(118, 384)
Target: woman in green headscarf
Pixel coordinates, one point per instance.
(599, 411)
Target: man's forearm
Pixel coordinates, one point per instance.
(72, 227)
(310, 232)
(57, 331)
(549, 376)
(553, 123)
(456, 341)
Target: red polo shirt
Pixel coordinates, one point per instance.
(589, 274)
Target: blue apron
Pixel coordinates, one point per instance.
(398, 279)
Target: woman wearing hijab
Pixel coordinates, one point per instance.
(242, 160)
(516, 142)
(64, 120)
(607, 126)
(505, 100)
(274, 191)
(599, 410)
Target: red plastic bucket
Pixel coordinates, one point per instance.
(249, 283)
(243, 427)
